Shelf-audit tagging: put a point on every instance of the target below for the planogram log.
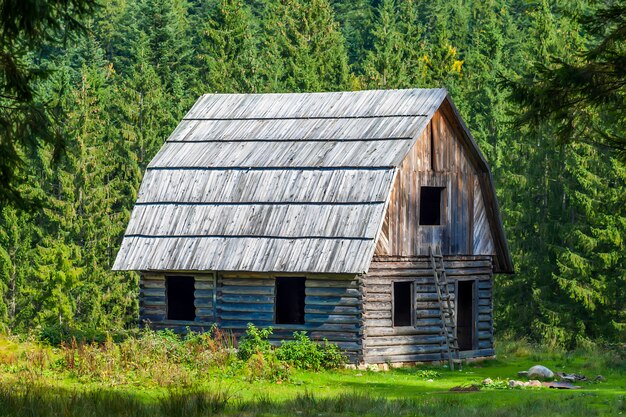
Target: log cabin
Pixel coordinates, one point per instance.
(323, 212)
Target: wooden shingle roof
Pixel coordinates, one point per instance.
(275, 182)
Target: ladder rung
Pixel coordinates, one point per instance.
(446, 311)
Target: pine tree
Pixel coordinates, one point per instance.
(227, 52)
(355, 19)
(385, 66)
(303, 49)
(16, 255)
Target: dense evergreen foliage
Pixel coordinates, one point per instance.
(112, 94)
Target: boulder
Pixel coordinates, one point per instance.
(540, 372)
(523, 374)
(515, 384)
(534, 383)
(373, 368)
(487, 381)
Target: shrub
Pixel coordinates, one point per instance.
(303, 353)
(266, 366)
(57, 334)
(254, 341)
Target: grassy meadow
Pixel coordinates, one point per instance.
(156, 374)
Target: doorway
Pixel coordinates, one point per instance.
(465, 315)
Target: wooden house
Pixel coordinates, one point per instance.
(319, 212)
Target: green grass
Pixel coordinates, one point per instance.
(35, 381)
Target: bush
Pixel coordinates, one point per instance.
(303, 353)
(58, 334)
(266, 366)
(254, 341)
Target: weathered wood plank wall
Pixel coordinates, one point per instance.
(333, 307)
(438, 159)
(423, 341)
(153, 302)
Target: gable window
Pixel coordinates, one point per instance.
(402, 303)
(179, 291)
(430, 206)
(290, 300)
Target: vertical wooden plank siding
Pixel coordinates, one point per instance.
(482, 240)
(422, 341)
(465, 228)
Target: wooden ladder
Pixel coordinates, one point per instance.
(446, 308)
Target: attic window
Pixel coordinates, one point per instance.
(430, 206)
(402, 303)
(290, 300)
(180, 296)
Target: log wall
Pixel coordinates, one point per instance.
(353, 312)
(153, 302)
(424, 340)
(333, 306)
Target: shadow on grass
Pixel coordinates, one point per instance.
(47, 401)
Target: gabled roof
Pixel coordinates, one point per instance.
(275, 182)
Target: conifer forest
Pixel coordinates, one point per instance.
(90, 91)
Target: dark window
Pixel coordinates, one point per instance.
(465, 315)
(430, 206)
(402, 303)
(290, 300)
(180, 298)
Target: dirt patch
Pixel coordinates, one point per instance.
(465, 388)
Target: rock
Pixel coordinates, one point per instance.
(540, 372)
(362, 367)
(523, 374)
(351, 366)
(515, 384)
(384, 367)
(430, 380)
(570, 377)
(373, 368)
(487, 381)
(534, 383)
(599, 378)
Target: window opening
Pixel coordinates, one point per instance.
(290, 300)
(465, 315)
(402, 303)
(430, 206)
(180, 298)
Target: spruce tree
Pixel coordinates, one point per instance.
(227, 51)
(302, 48)
(385, 66)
